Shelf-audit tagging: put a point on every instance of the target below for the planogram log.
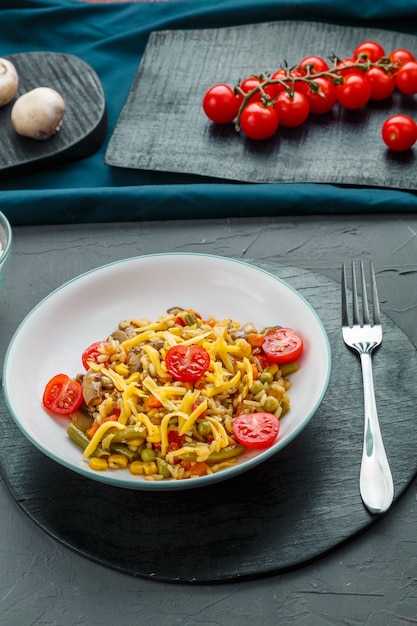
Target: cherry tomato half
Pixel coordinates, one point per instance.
(399, 132)
(62, 395)
(292, 109)
(220, 104)
(282, 345)
(406, 78)
(92, 353)
(373, 50)
(258, 121)
(256, 430)
(322, 100)
(187, 363)
(354, 92)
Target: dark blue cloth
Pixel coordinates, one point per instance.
(112, 38)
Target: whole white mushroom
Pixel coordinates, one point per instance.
(9, 81)
(38, 113)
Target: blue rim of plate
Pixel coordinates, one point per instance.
(170, 485)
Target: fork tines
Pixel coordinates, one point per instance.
(355, 300)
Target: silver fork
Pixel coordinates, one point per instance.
(376, 485)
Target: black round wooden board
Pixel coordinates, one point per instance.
(290, 510)
(84, 126)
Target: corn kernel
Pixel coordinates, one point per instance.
(122, 369)
(135, 443)
(136, 468)
(133, 378)
(98, 464)
(150, 468)
(117, 461)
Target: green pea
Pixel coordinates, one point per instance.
(204, 428)
(147, 455)
(271, 404)
(256, 387)
(266, 377)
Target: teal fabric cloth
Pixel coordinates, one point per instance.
(112, 38)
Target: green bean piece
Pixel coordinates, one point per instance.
(226, 453)
(204, 428)
(81, 440)
(147, 455)
(271, 404)
(121, 448)
(127, 434)
(163, 468)
(266, 377)
(288, 368)
(190, 319)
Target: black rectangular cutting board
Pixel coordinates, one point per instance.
(162, 126)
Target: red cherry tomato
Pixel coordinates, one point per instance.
(399, 132)
(382, 83)
(220, 104)
(373, 50)
(292, 109)
(62, 395)
(315, 64)
(258, 121)
(280, 74)
(187, 363)
(323, 100)
(406, 78)
(282, 345)
(401, 56)
(256, 430)
(251, 83)
(354, 92)
(344, 67)
(92, 353)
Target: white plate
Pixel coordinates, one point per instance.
(52, 337)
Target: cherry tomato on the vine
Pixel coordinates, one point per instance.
(280, 74)
(220, 104)
(354, 92)
(382, 83)
(251, 83)
(315, 64)
(321, 100)
(344, 66)
(401, 56)
(258, 121)
(399, 132)
(406, 78)
(292, 109)
(256, 430)
(373, 50)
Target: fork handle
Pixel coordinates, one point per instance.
(376, 485)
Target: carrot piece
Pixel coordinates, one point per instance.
(255, 371)
(152, 403)
(255, 340)
(198, 468)
(90, 432)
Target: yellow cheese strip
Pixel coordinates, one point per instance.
(98, 435)
(188, 400)
(194, 415)
(249, 370)
(158, 392)
(164, 428)
(153, 429)
(153, 354)
(213, 391)
(195, 339)
(219, 434)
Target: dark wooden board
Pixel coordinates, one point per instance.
(84, 127)
(162, 126)
(291, 510)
